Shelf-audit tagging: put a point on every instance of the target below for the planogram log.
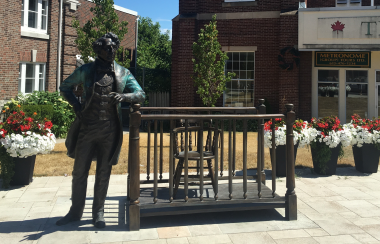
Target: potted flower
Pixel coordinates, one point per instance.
(327, 136)
(21, 138)
(332, 90)
(348, 89)
(300, 140)
(365, 143)
(323, 90)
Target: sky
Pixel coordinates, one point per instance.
(162, 11)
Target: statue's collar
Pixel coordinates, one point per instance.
(100, 65)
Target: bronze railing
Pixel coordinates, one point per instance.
(162, 199)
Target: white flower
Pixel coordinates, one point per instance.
(19, 146)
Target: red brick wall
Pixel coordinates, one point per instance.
(18, 48)
(305, 86)
(268, 35)
(69, 49)
(320, 3)
(84, 15)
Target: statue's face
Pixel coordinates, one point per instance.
(108, 50)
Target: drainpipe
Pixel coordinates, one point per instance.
(137, 36)
(372, 2)
(59, 49)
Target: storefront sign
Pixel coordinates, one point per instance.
(343, 59)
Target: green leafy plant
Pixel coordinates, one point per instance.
(50, 104)
(105, 20)
(209, 61)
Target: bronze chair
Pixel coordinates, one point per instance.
(208, 153)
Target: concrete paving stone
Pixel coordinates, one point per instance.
(302, 222)
(302, 240)
(63, 200)
(365, 238)
(54, 181)
(326, 199)
(39, 194)
(63, 193)
(361, 207)
(370, 185)
(15, 192)
(327, 207)
(16, 238)
(210, 239)
(64, 237)
(40, 180)
(120, 233)
(180, 240)
(365, 221)
(373, 230)
(204, 230)
(349, 215)
(373, 193)
(318, 191)
(351, 193)
(159, 241)
(339, 226)
(375, 202)
(344, 182)
(307, 211)
(365, 179)
(172, 232)
(15, 213)
(288, 234)
(229, 228)
(317, 232)
(247, 238)
(338, 239)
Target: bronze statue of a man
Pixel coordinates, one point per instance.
(97, 131)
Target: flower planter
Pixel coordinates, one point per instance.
(366, 158)
(24, 168)
(281, 159)
(331, 164)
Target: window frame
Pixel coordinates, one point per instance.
(240, 79)
(25, 22)
(35, 85)
(348, 3)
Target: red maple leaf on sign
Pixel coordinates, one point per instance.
(338, 26)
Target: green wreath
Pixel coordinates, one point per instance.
(281, 58)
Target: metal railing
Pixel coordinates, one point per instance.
(161, 200)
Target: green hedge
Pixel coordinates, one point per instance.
(43, 111)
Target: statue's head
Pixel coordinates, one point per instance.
(106, 46)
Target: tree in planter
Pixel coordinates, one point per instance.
(209, 61)
(105, 20)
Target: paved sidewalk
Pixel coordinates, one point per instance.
(344, 208)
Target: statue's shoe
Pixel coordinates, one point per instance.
(99, 221)
(67, 219)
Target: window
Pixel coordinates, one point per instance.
(347, 3)
(328, 93)
(34, 14)
(240, 90)
(31, 77)
(357, 93)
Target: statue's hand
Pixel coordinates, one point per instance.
(117, 97)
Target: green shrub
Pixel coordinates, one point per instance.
(48, 104)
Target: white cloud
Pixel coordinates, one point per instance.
(165, 30)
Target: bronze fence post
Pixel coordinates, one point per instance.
(134, 167)
(290, 196)
(262, 110)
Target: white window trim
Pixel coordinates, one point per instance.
(25, 29)
(36, 85)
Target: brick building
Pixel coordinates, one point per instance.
(253, 33)
(29, 31)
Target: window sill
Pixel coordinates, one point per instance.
(239, 4)
(34, 34)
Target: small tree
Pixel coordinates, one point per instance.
(209, 61)
(105, 20)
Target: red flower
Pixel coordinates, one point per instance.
(48, 125)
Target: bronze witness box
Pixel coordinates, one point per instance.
(343, 59)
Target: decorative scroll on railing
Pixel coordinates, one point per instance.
(228, 194)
